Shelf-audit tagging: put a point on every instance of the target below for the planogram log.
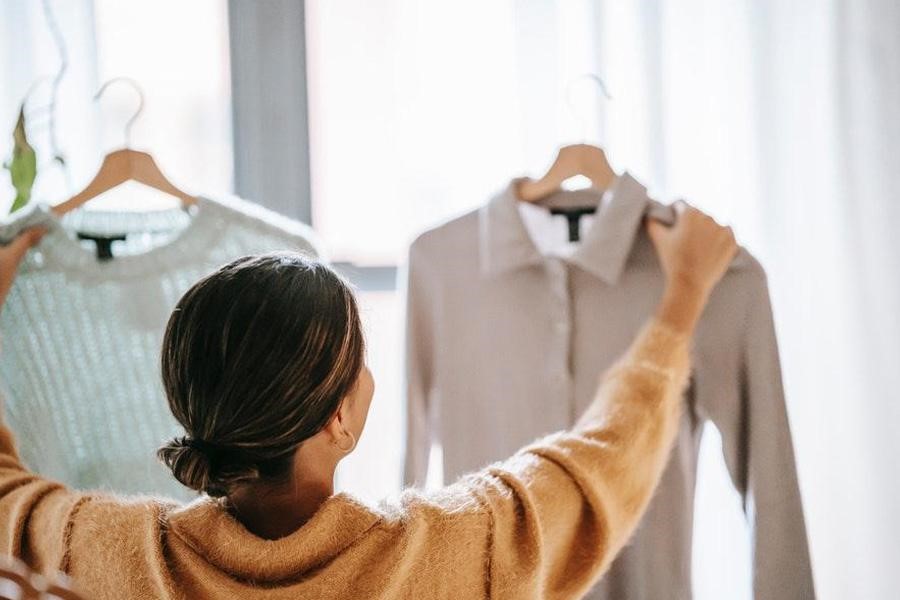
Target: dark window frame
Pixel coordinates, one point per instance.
(270, 117)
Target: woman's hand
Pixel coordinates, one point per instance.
(694, 254)
(12, 254)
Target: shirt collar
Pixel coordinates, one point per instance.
(505, 244)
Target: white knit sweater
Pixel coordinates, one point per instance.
(80, 364)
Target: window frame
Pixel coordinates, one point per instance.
(272, 155)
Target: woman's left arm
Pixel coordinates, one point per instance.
(33, 510)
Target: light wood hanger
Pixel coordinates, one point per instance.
(124, 165)
(576, 159)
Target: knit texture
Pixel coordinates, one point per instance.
(544, 524)
(80, 368)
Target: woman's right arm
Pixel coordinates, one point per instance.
(562, 508)
(33, 511)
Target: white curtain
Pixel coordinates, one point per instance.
(782, 117)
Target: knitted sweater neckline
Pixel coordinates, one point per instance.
(61, 249)
(213, 532)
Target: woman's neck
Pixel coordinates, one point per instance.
(275, 512)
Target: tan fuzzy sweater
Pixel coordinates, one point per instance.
(544, 524)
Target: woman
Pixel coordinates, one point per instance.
(263, 365)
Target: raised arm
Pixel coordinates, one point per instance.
(562, 508)
(33, 511)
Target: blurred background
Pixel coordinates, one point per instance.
(375, 119)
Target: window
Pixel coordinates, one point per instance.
(407, 125)
(178, 52)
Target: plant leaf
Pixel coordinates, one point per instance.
(23, 166)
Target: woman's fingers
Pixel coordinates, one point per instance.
(696, 249)
(16, 249)
(656, 231)
(25, 240)
(11, 256)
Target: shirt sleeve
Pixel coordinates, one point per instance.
(751, 415)
(562, 508)
(419, 348)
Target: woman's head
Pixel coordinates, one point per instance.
(258, 357)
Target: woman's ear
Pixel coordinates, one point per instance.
(338, 428)
(336, 424)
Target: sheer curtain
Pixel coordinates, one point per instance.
(782, 118)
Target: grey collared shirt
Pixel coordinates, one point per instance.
(505, 344)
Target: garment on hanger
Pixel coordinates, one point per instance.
(506, 343)
(81, 337)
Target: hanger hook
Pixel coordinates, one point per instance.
(569, 88)
(32, 89)
(140, 107)
(60, 41)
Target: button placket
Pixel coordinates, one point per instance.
(558, 361)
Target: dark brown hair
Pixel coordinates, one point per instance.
(256, 358)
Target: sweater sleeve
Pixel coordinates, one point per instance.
(34, 512)
(563, 507)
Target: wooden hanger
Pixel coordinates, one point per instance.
(576, 159)
(124, 165)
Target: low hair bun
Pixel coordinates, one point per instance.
(199, 465)
(190, 465)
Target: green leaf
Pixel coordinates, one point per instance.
(23, 166)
